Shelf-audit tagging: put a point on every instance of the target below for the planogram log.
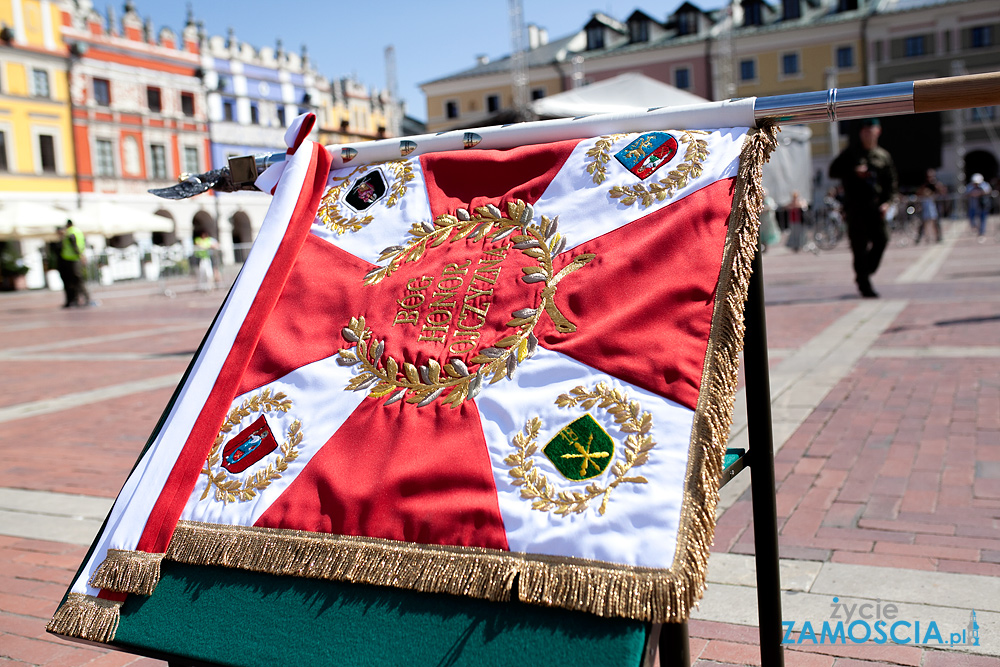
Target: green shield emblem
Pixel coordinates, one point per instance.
(581, 450)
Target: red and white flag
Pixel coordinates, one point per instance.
(447, 372)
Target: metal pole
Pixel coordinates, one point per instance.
(761, 455)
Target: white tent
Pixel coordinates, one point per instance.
(108, 219)
(625, 92)
(26, 219)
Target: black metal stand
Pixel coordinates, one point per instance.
(761, 462)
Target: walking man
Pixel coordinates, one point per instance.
(71, 260)
(869, 178)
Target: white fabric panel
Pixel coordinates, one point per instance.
(391, 224)
(143, 487)
(319, 402)
(641, 521)
(586, 210)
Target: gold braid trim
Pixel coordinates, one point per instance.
(128, 572)
(605, 589)
(86, 617)
(714, 412)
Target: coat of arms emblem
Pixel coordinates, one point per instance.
(366, 191)
(647, 153)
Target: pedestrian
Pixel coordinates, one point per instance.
(927, 196)
(204, 247)
(868, 175)
(72, 258)
(978, 193)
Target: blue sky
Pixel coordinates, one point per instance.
(431, 39)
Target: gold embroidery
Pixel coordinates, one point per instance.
(228, 489)
(692, 166)
(536, 487)
(331, 208)
(428, 383)
(601, 152)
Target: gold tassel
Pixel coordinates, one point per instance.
(605, 589)
(125, 571)
(86, 617)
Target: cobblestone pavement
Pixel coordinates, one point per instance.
(886, 420)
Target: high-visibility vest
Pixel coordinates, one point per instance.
(72, 244)
(203, 247)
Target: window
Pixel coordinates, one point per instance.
(158, 161)
(982, 36)
(682, 78)
(153, 99)
(227, 110)
(983, 113)
(789, 64)
(748, 70)
(39, 83)
(845, 57)
(105, 158)
(3, 152)
(493, 103)
(191, 164)
(847, 5)
(914, 46)
(595, 37)
(638, 31)
(254, 115)
(187, 104)
(281, 115)
(537, 93)
(687, 23)
(102, 92)
(792, 9)
(451, 109)
(47, 152)
(752, 14)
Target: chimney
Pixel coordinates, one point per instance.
(532, 36)
(482, 59)
(543, 37)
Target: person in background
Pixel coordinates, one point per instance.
(978, 193)
(204, 247)
(869, 178)
(71, 261)
(928, 194)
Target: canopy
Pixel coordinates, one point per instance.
(26, 219)
(109, 219)
(625, 92)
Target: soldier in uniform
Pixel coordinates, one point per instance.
(869, 178)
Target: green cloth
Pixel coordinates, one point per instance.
(72, 244)
(227, 616)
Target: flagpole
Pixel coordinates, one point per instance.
(835, 104)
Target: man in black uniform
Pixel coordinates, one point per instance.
(869, 179)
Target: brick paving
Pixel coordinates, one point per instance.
(898, 466)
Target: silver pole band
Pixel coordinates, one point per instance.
(889, 99)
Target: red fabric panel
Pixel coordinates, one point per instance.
(400, 473)
(163, 518)
(467, 179)
(643, 306)
(325, 289)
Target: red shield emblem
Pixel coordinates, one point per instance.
(249, 446)
(647, 153)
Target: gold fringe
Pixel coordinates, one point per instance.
(128, 572)
(714, 412)
(86, 617)
(605, 589)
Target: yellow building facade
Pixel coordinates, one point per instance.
(36, 142)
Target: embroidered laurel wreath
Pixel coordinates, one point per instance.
(535, 486)
(676, 179)
(229, 489)
(331, 208)
(457, 380)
